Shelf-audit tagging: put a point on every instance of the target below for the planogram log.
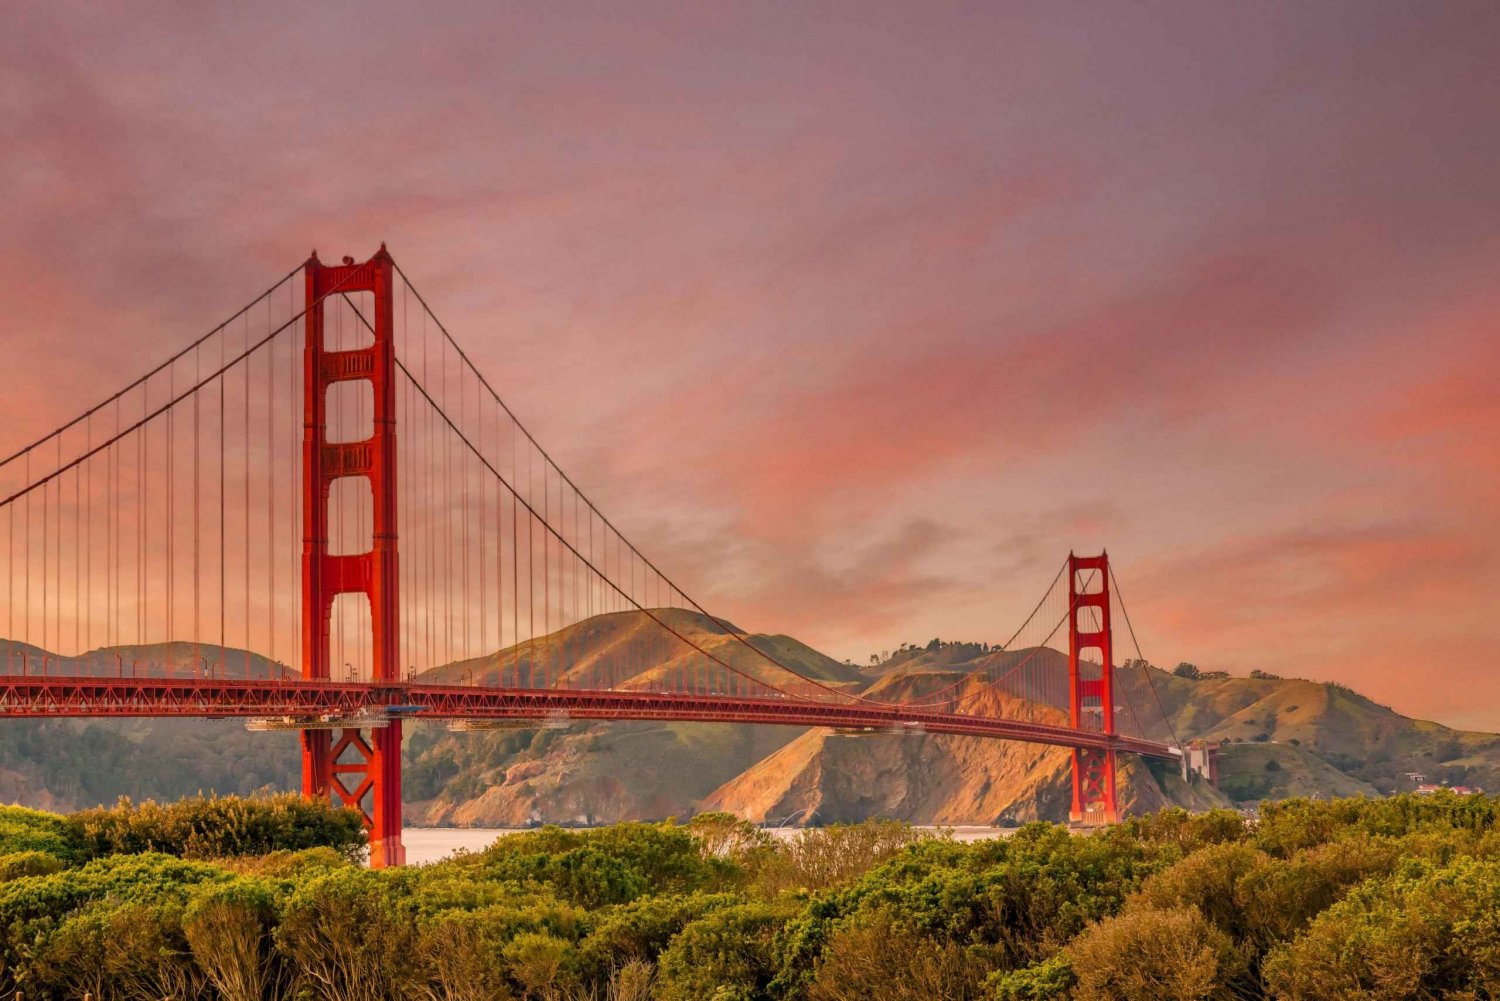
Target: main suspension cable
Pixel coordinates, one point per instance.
(143, 379)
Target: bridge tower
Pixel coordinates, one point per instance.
(361, 771)
(1091, 690)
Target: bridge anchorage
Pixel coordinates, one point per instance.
(404, 538)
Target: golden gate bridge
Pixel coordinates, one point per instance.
(321, 516)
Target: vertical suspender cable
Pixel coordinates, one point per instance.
(26, 613)
(447, 510)
(88, 545)
(223, 492)
(481, 556)
(531, 568)
(46, 568)
(10, 585)
(77, 562)
(270, 549)
(170, 522)
(246, 487)
(515, 568)
(464, 513)
(197, 515)
(143, 505)
(499, 600)
(112, 540)
(547, 573)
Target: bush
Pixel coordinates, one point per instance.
(640, 930)
(727, 950)
(21, 864)
(1389, 898)
(23, 830)
(1184, 831)
(349, 936)
(609, 865)
(117, 949)
(1051, 980)
(1205, 883)
(1427, 931)
(1277, 898)
(821, 857)
(36, 901)
(229, 928)
(207, 827)
(1293, 824)
(538, 962)
(1020, 897)
(859, 963)
(1149, 954)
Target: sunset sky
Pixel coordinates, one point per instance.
(857, 317)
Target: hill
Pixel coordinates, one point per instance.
(1281, 737)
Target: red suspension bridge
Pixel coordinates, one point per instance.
(228, 536)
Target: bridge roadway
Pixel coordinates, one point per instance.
(356, 704)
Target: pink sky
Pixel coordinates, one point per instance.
(858, 317)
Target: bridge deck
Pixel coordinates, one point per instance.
(28, 696)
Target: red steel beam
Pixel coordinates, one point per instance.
(22, 696)
(372, 573)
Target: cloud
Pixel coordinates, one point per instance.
(855, 323)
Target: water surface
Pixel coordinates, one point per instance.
(428, 844)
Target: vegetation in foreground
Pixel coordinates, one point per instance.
(265, 899)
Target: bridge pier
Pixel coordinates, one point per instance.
(1093, 787)
(365, 774)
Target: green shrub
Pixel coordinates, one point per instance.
(1387, 898)
(1425, 932)
(609, 865)
(218, 827)
(1050, 980)
(32, 863)
(1150, 954)
(728, 952)
(23, 830)
(875, 957)
(352, 934)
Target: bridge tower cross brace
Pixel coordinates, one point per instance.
(1091, 690)
(361, 772)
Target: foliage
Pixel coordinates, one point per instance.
(23, 830)
(1359, 898)
(207, 827)
(1008, 903)
(1150, 954)
(29, 863)
(819, 857)
(1426, 931)
(1050, 979)
(1245, 787)
(877, 956)
(726, 952)
(92, 761)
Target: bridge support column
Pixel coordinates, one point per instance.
(365, 774)
(1091, 688)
